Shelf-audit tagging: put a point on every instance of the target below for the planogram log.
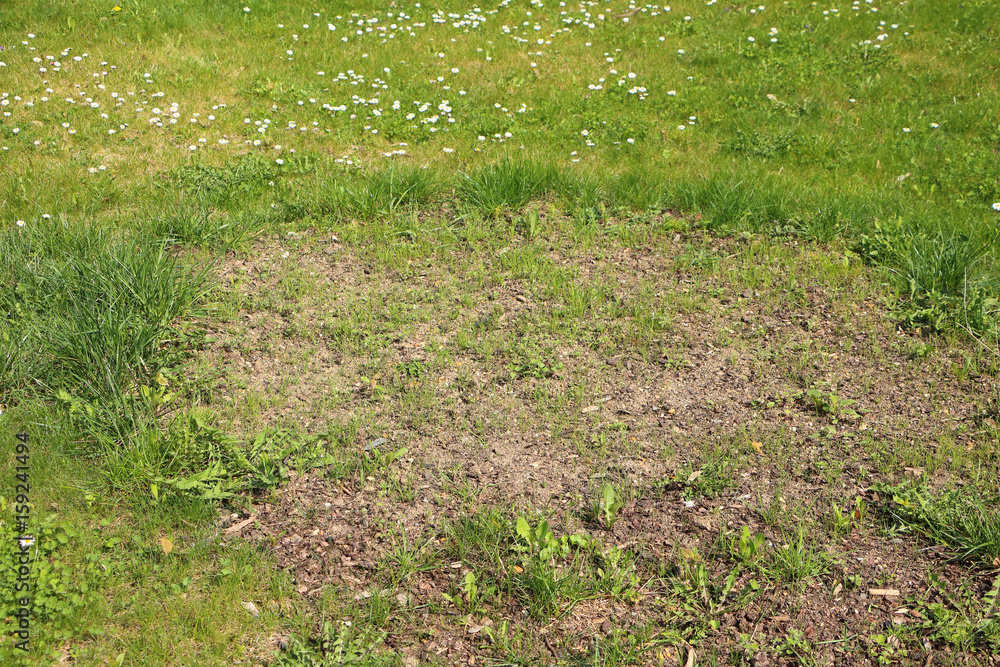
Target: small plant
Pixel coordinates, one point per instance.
(965, 519)
(884, 649)
(340, 645)
(541, 543)
(842, 522)
(533, 367)
(962, 619)
(747, 547)
(543, 581)
(530, 225)
(795, 645)
(966, 368)
(797, 561)
(474, 596)
(830, 404)
(699, 592)
(921, 351)
(608, 506)
(616, 574)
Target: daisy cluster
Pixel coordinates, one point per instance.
(126, 107)
(378, 107)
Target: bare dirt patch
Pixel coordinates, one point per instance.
(528, 384)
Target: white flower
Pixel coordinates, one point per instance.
(751, 39)
(996, 206)
(906, 129)
(630, 140)
(935, 125)
(680, 127)
(192, 147)
(246, 9)
(20, 223)
(448, 150)
(279, 161)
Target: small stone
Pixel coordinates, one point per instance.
(375, 444)
(251, 608)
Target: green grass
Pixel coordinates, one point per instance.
(236, 245)
(963, 519)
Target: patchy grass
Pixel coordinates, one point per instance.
(535, 333)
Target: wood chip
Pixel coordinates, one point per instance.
(884, 592)
(237, 527)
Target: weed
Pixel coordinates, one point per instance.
(746, 548)
(336, 645)
(473, 596)
(608, 506)
(965, 519)
(963, 620)
(830, 404)
(706, 595)
(797, 560)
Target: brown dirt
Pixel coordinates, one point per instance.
(665, 403)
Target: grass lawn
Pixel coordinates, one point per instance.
(562, 333)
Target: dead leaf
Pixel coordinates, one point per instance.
(251, 608)
(693, 476)
(758, 446)
(691, 658)
(690, 554)
(518, 569)
(167, 545)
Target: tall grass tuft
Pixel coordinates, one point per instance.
(949, 275)
(381, 193)
(728, 204)
(198, 226)
(505, 185)
(88, 313)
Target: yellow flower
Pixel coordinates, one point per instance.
(116, 9)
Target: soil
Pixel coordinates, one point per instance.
(721, 389)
